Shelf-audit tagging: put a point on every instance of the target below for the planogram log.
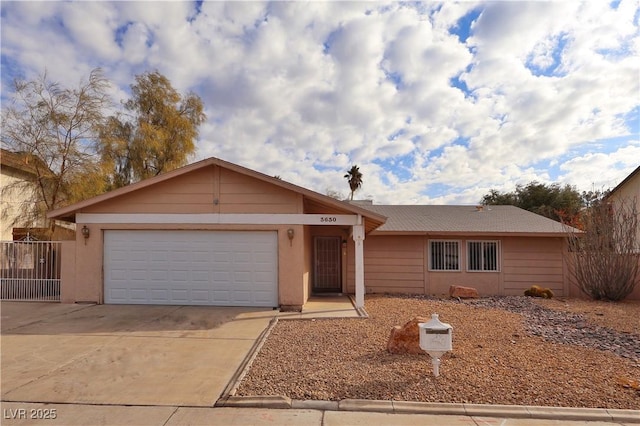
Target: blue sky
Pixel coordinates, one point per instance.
(437, 103)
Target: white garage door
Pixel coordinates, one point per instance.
(191, 268)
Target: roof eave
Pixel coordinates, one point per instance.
(68, 213)
(474, 233)
(624, 182)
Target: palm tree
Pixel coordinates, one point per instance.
(354, 177)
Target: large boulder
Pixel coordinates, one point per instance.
(463, 292)
(406, 339)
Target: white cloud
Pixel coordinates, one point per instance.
(304, 90)
(600, 170)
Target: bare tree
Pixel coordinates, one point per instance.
(54, 129)
(337, 195)
(604, 255)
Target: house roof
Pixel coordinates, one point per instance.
(496, 220)
(315, 202)
(17, 161)
(625, 180)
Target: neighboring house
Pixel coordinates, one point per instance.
(16, 191)
(628, 191)
(215, 233)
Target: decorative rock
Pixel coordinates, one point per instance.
(565, 327)
(406, 339)
(537, 291)
(463, 292)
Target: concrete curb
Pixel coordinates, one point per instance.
(375, 406)
(625, 416)
(256, 402)
(311, 404)
(412, 407)
(436, 408)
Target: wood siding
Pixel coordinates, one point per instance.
(243, 194)
(391, 265)
(399, 264)
(533, 261)
(207, 190)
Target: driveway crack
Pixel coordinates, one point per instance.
(171, 416)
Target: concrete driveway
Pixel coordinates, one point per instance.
(116, 354)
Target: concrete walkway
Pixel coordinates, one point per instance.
(325, 307)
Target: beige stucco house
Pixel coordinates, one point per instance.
(628, 191)
(19, 193)
(16, 191)
(215, 233)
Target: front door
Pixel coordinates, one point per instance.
(327, 276)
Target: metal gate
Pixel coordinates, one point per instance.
(327, 277)
(30, 270)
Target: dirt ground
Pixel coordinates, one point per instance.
(495, 360)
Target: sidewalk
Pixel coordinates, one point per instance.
(15, 413)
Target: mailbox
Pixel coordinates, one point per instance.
(436, 340)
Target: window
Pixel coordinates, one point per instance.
(444, 255)
(482, 256)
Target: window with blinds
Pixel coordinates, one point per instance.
(444, 255)
(482, 256)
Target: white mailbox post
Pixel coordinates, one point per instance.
(435, 339)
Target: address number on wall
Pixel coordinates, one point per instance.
(328, 219)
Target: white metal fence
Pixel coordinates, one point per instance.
(30, 270)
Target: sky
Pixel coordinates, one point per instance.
(437, 103)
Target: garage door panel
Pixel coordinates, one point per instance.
(119, 294)
(200, 296)
(200, 276)
(138, 294)
(242, 296)
(159, 275)
(158, 294)
(191, 267)
(221, 277)
(179, 277)
(263, 278)
(221, 295)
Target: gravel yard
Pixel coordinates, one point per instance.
(506, 350)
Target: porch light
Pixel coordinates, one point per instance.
(290, 234)
(85, 233)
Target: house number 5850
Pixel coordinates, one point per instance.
(327, 219)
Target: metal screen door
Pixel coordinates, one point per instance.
(327, 270)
